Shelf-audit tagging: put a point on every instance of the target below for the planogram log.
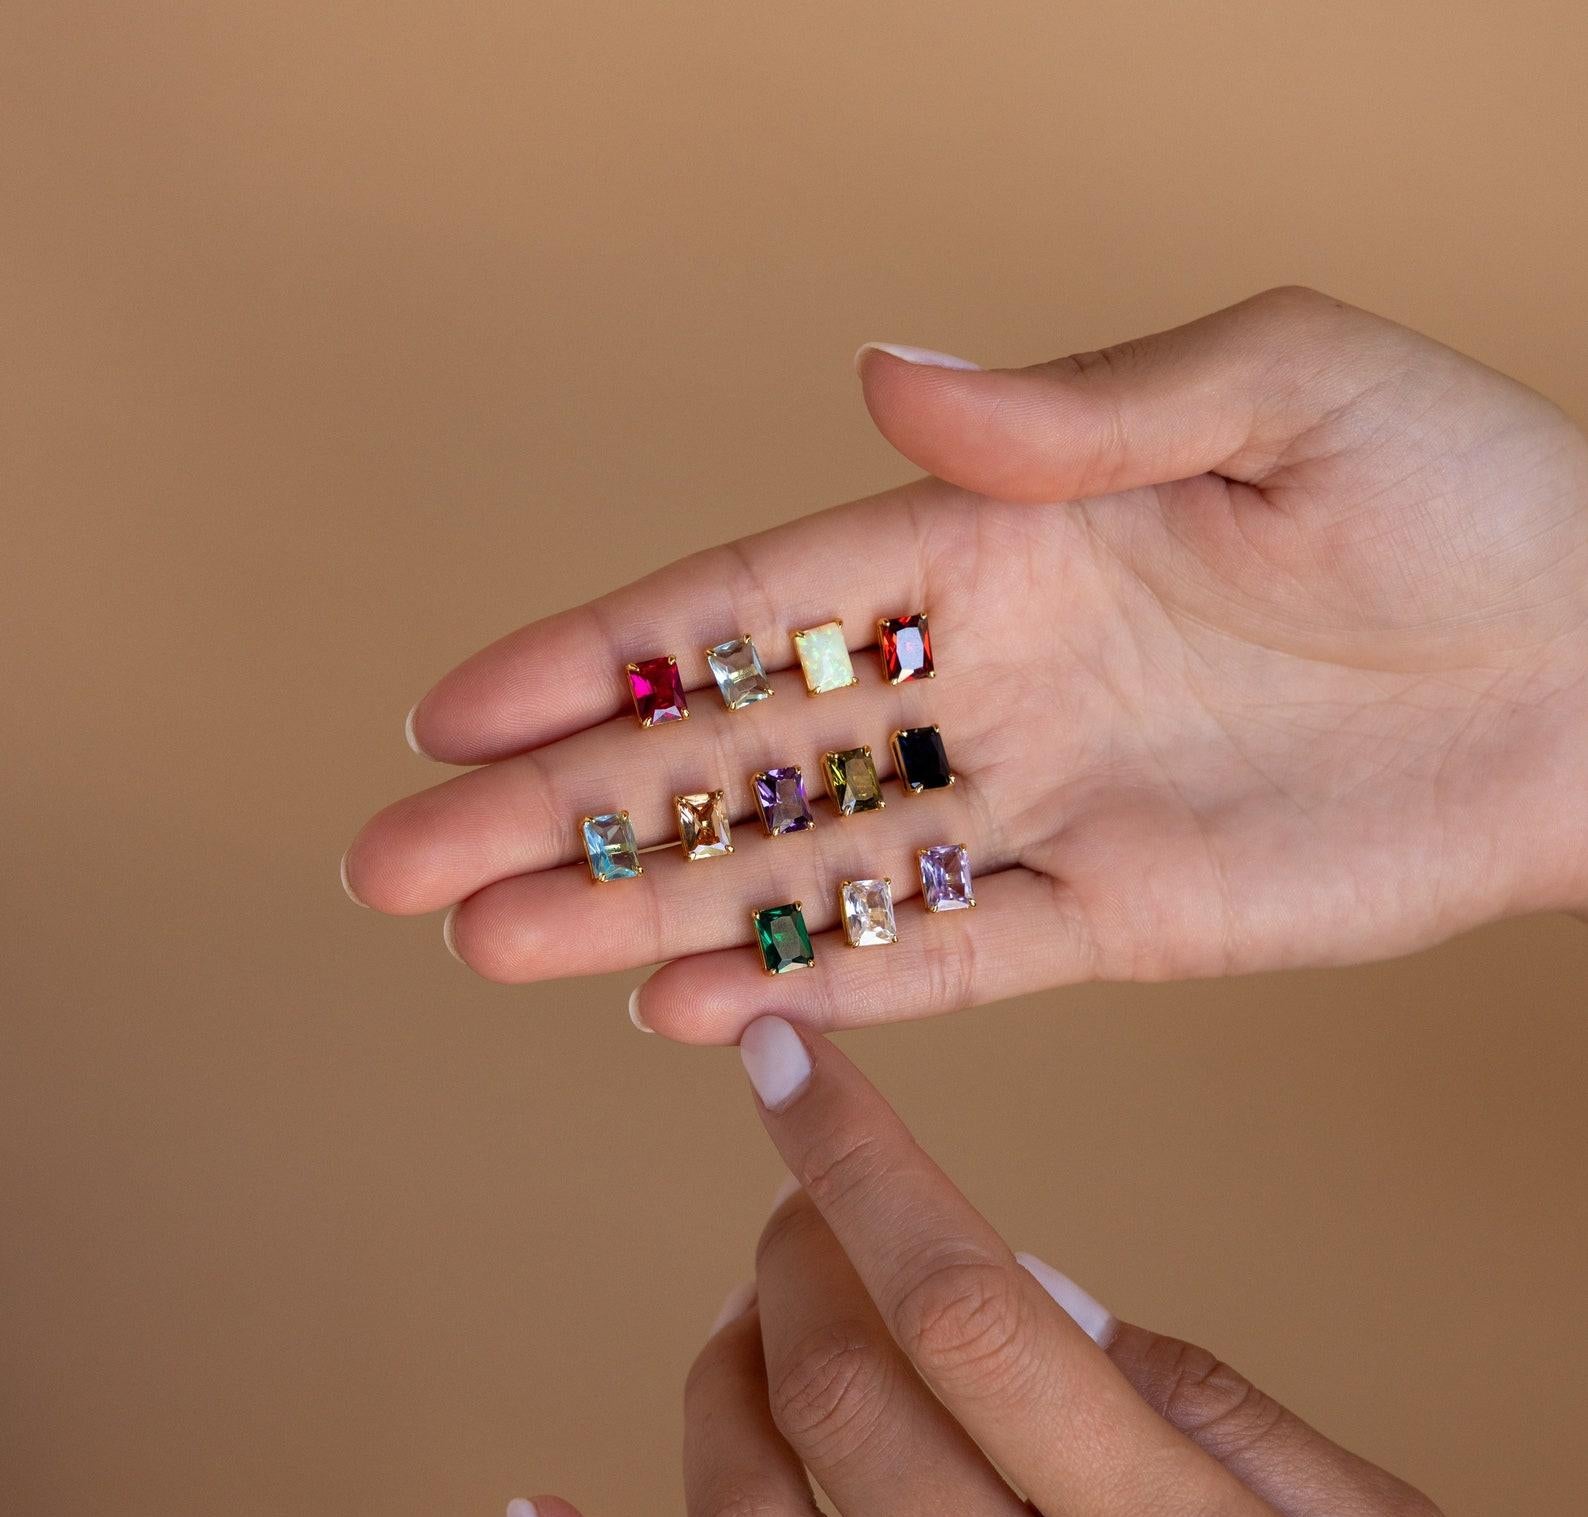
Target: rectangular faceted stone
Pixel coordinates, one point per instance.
(824, 658)
(610, 847)
(781, 935)
(945, 878)
(867, 910)
(780, 795)
(658, 691)
(921, 759)
(703, 824)
(905, 643)
(737, 669)
(852, 781)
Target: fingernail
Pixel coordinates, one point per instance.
(347, 885)
(926, 357)
(775, 1060)
(408, 732)
(634, 1008)
(521, 1506)
(448, 933)
(738, 1303)
(1092, 1317)
(789, 1186)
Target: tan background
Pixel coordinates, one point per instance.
(336, 340)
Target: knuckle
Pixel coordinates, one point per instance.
(959, 1321)
(951, 976)
(1291, 306)
(1201, 1395)
(828, 1395)
(1295, 297)
(840, 1162)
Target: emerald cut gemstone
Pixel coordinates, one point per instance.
(921, 760)
(658, 691)
(905, 643)
(781, 936)
(703, 824)
(824, 658)
(737, 669)
(867, 910)
(610, 847)
(852, 781)
(780, 798)
(945, 878)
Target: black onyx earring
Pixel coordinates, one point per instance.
(921, 760)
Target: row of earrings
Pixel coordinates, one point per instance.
(904, 644)
(704, 830)
(865, 908)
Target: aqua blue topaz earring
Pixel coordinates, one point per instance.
(610, 848)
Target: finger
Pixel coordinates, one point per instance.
(735, 1460)
(859, 561)
(1272, 1451)
(1226, 393)
(844, 1396)
(1024, 934)
(541, 1506)
(552, 924)
(520, 815)
(1022, 1378)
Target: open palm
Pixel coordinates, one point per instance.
(1261, 642)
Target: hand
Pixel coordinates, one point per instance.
(894, 1348)
(1261, 643)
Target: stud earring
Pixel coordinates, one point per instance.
(945, 877)
(866, 907)
(736, 667)
(852, 781)
(783, 939)
(824, 658)
(780, 798)
(610, 848)
(904, 644)
(921, 760)
(703, 824)
(658, 691)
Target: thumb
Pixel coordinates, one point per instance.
(1268, 1449)
(1225, 393)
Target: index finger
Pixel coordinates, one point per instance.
(1019, 1374)
(856, 562)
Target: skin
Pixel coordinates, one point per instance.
(897, 1352)
(1261, 643)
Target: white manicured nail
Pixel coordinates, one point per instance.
(775, 1060)
(448, 933)
(347, 885)
(926, 357)
(634, 1009)
(1092, 1317)
(408, 732)
(737, 1304)
(521, 1506)
(789, 1186)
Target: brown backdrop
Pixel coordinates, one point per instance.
(339, 339)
